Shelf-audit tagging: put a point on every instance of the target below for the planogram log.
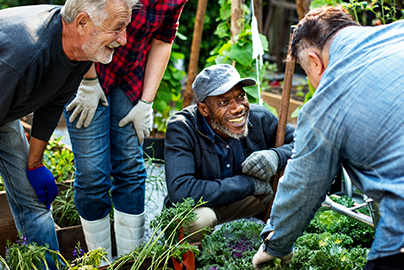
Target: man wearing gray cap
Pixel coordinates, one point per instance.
(222, 150)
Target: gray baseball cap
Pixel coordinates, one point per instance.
(217, 80)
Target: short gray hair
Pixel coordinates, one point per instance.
(317, 28)
(94, 8)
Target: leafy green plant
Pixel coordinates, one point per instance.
(1, 184)
(163, 245)
(13, 3)
(368, 12)
(164, 242)
(240, 52)
(64, 210)
(90, 260)
(232, 246)
(23, 255)
(187, 24)
(384, 11)
(168, 97)
(155, 177)
(336, 243)
(59, 160)
(332, 222)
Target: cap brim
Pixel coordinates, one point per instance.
(226, 87)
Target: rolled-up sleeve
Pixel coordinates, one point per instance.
(168, 30)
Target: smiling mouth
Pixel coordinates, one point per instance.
(238, 120)
(111, 47)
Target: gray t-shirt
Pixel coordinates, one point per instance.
(35, 74)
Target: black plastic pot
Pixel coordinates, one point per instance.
(154, 147)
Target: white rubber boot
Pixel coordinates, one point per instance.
(129, 231)
(98, 234)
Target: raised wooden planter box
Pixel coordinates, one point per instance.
(7, 225)
(145, 265)
(274, 100)
(67, 237)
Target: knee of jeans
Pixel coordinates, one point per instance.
(91, 177)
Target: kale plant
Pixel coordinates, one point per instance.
(232, 246)
(330, 221)
(331, 241)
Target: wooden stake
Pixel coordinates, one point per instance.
(235, 17)
(283, 116)
(302, 6)
(195, 49)
(258, 13)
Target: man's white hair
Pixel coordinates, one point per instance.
(94, 8)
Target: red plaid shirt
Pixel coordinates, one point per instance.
(152, 19)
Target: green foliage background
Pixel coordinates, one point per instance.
(14, 3)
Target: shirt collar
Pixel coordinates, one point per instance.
(208, 130)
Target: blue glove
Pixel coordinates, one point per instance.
(44, 184)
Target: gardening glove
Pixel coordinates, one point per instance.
(142, 117)
(44, 184)
(86, 102)
(261, 164)
(262, 257)
(263, 190)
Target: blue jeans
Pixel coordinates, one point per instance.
(109, 160)
(31, 218)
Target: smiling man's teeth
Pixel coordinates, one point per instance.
(110, 46)
(236, 120)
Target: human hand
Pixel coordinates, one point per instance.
(44, 184)
(86, 102)
(262, 257)
(142, 117)
(263, 190)
(261, 164)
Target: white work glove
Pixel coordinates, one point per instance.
(261, 164)
(142, 117)
(262, 257)
(263, 190)
(86, 102)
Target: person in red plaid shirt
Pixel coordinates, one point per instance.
(109, 117)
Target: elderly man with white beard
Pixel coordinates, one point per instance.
(45, 50)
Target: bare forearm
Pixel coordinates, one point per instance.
(157, 60)
(91, 73)
(36, 149)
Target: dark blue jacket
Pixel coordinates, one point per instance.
(192, 166)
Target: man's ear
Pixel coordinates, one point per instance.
(82, 23)
(203, 109)
(316, 63)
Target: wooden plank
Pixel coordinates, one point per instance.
(5, 212)
(274, 101)
(7, 233)
(68, 238)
